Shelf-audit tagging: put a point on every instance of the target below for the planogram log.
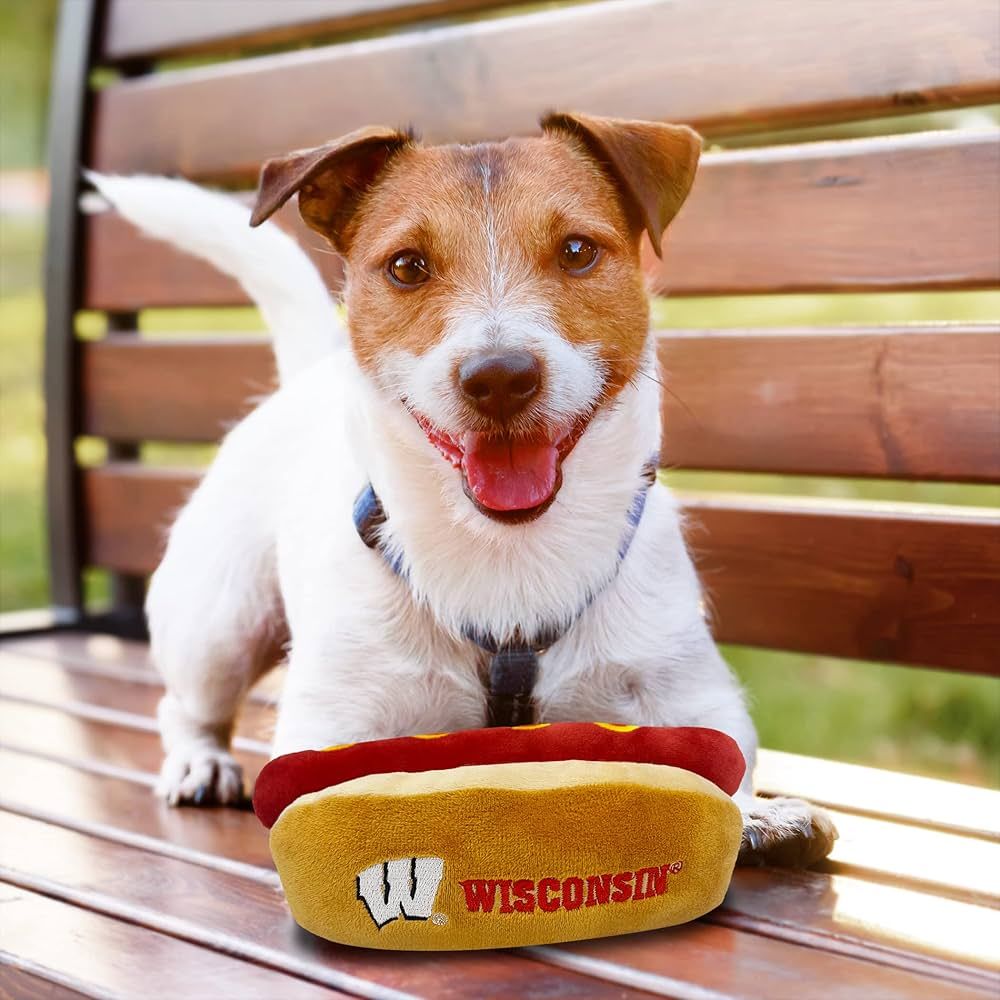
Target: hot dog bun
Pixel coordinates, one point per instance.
(559, 835)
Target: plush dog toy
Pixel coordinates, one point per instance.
(496, 838)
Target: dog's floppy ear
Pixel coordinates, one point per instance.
(654, 164)
(330, 179)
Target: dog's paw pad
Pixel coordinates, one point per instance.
(201, 776)
(789, 833)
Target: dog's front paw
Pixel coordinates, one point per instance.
(200, 775)
(785, 832)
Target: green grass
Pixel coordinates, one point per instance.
(22, 451)
(913, 720)
(901, 718)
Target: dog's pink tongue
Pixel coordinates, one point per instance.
(509, 475)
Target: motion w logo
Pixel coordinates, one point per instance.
(404, 888)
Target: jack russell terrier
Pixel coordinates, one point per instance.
(445, 515)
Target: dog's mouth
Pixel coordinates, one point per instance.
(508, 478)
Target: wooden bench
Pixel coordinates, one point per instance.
(107, 892)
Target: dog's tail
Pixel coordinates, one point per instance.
(270, 265)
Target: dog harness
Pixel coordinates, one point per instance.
(513, 664)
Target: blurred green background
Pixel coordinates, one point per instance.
(920, 721)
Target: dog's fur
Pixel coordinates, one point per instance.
(265, 554)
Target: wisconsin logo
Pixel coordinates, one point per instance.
(404, 888)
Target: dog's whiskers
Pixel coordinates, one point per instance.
(666, 388)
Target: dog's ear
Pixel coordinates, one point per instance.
(653, 164)
(330, 179)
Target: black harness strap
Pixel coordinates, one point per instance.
(509, 700)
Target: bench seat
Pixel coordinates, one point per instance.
(109, 892)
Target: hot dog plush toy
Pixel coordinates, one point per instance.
(496, 838)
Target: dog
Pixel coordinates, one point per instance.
(495, 390)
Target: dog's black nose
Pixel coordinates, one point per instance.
(500, 383)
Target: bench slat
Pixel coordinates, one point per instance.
(862, 581)
(137, 389)
(917, 211)
(902, 402)
(906, 402)
(668, 953)
(80, 757)
(721, 66)
(46, 730)
(26, 985)
(140, 29)
(47, 683)
(905, 212)
(939, 805)
(104, 957)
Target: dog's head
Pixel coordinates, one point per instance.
(494, 290)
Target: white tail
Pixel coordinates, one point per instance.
(271, 266)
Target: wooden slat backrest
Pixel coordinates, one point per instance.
(154, 29)
(885, 213)
(906, 212)
(724, 67)
(758, 556)
(902, 402)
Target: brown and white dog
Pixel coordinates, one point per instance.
(498, 388)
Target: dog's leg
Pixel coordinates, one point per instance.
(781, 831)
(212, 638)
(205, 688)
(215, 624)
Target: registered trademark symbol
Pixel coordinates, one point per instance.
(440, 919)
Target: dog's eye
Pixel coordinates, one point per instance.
(408, 268)
(577, 255)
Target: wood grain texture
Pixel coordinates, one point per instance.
(881, 583)
(100, 802)
(51, 684)
(720, 66)
(918, 211)
(952, 938)
(681, 953)
(903, 212)
(106, 655)
(929, 802)
(896, 584)
(128, 509)
(135, 389)
(253, 920)
(20, 984)
(141, 29)
(85, 650)
(894, 852)
(901, 402)
(113, 741)
(118, 959)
